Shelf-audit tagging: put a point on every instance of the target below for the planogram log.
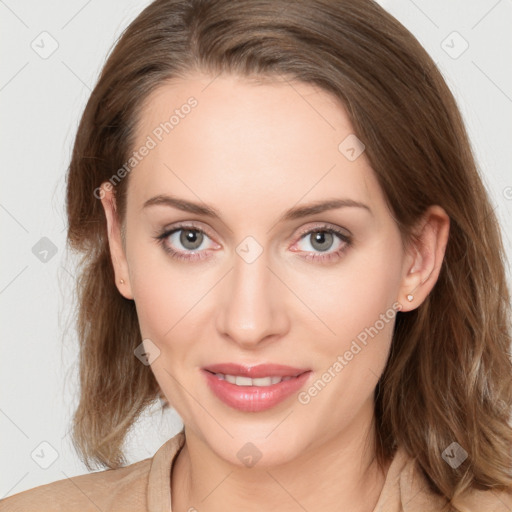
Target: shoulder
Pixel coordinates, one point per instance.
(138, 487)
(124, 487)
(407, 486)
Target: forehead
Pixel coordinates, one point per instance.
(252, 143)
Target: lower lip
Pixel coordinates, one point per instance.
(254, 398)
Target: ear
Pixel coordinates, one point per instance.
(424, 258)
(115, 243)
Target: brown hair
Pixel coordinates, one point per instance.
(448, 377)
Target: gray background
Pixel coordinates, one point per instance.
(41, 99)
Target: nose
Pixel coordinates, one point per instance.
(252, 309)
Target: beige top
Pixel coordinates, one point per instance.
(145, 487)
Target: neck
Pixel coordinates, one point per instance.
(340, 470)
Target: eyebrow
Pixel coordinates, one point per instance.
(292, 214)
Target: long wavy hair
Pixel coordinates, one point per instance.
(449, 373)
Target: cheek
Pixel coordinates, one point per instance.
(357, 306)
(156, 293)
(167, 294)
(365, 287)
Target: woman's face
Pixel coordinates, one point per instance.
(254, 284)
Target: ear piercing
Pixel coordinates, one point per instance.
(122, 281)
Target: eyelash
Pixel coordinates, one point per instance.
(196, 256)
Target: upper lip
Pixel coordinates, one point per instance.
(256, 371)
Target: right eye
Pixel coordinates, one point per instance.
(189, 237)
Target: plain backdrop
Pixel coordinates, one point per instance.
(52, 53)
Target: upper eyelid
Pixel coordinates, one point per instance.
(185, 225)
(325, 226)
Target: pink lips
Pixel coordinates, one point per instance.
(254, 398)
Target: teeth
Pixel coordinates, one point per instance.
(243, 381)
(247, 381)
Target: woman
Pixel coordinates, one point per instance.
(286, 237)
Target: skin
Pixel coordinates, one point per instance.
(252, 151)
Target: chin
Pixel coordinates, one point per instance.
(259, 447)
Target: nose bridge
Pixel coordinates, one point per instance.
(252, 310)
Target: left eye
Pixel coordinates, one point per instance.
(321, 240)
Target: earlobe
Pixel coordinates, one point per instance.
(117, 254)
(424, 260)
